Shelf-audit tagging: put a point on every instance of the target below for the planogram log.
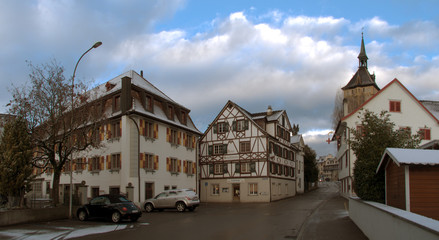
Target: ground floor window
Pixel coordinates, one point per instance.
(215, 189)
(114, 190)
(166, 187)
(253, 188)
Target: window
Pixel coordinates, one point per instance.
(147, 129)
(173, 167)
(67, 167)
(219, 149)
(149, 161)
(80, 164)
(183, 118)
(425, 133)
(188, 141)
(166, 187)
(95, 166)
(94, 192)
(215, 189)
(240, 125)
(174, 137)
(244, 146)
(149, 103)
(218, 168)
(222, 127)
(115, 161)
(253, 188)
(116, 131)
(189, 168)
(245, 167)
(116, 104)
(395, 106)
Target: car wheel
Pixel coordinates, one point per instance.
(82, 215)
(149, 207)
(115, 217)
(180, 206)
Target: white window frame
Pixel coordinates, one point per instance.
(215, 189)
(253, 189)
(218, 168)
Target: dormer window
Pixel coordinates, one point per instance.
(116, 104)
(183, 118)
(171, 112)
(109, 86)
(149, 103)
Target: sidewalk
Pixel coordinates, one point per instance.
(331, 221)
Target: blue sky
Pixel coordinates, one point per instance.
(292, 55)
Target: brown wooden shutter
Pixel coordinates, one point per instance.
(108, 161)
(185, 163)
(108, 131)
(156, 162)
(142, 160)
(178, 137)
(101, 163)
(156, 131)
(168, 163)
(89, 164)
(168, 134)
(194, 168)
(179, 166)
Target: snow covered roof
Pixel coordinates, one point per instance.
(402, 156)
(432, 106)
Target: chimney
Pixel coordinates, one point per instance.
(141, 73)
(269, 110)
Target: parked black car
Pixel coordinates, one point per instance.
(113, 207)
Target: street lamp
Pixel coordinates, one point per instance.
(97, 44)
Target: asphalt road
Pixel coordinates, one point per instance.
(320, 214)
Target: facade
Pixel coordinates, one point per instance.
(297, 141)
(247, 157)
(412, 180)
(328, 168)
(162, 157)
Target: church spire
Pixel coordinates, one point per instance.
(362, 57)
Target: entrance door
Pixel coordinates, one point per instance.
(149, 190)
(236, 192)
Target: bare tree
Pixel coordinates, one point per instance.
(55, 130)
(337, 113)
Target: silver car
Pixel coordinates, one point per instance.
(180, 199)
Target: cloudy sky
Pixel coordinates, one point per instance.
(292, 55)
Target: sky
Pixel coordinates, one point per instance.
(292, 55)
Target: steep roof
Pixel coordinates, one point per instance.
(362, 78)
(402, 156)
(432, 106)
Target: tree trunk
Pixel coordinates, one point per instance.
(55, 187)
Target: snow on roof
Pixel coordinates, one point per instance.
(432, 106)
(402, 156)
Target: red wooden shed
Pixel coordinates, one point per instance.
(412, 180)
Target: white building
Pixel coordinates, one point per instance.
(248, 157)
(405, 110)
(168, 140)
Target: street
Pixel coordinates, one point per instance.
(314, 215)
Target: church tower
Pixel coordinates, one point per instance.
(362, 85)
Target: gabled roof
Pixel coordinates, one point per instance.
(432, 106)
(394, 81)
(401, 156)
(251, 116)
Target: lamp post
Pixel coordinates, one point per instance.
(97, 44)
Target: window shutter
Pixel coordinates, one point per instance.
(227, 127)
(237, 167)
(194, 142)
(179, 138)
(194, 168)
(252, 167)
(89, 164)
(108, 162)
(210, 168)
(168, 163)
(119, 162)
(246, 125)
(142, 160)
(168, 134)
(108, 131)
(185, 163)
(224, 148)
(214, 128)
(179, 166)
(120, 128)
(156, 162)
(101, 163)
(225, 169)
(210, 149)
(234, 125)
(156, 131)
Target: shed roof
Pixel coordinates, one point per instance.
(402, 156)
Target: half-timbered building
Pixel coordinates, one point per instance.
(148, 144)
(247, 157)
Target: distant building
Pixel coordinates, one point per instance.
(249, 157)
(328, 167)
(167, 154)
